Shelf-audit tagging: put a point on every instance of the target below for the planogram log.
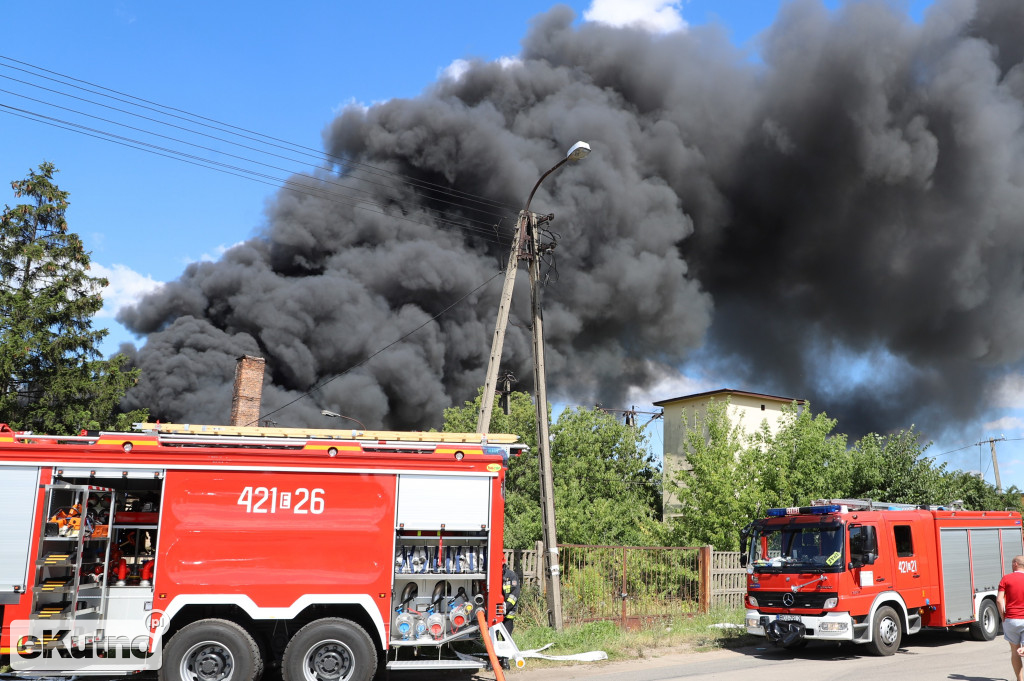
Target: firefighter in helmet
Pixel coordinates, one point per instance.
(510, 588)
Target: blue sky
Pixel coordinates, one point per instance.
(282, 73)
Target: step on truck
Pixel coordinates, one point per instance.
(213, 553)
(871, 572)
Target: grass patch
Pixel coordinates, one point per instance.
(654, 638)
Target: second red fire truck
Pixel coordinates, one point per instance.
(328, 554)
(872, 572)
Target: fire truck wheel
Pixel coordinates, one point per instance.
(887, 633)
(987, 626)
(211, 650)
(331, 649)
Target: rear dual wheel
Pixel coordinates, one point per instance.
(211, 650)
(331, 649)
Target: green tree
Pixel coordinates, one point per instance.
(51, 379)
(732, 477)
(801, 461)
(717, 495)
(607, 484)
(893, 468)
(607, 487)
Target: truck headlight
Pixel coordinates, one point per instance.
(752, 601)
(753, 622)
(831, 603)
(832, 626)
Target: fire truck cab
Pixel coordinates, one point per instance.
(327, 554)
(871, 572)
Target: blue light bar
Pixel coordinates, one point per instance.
(802, 510)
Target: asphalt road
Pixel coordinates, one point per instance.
(928, 656)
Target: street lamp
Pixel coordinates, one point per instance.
(520, 246)
(526, 243)
(335, 415)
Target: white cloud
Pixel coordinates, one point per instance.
(350, 103)
(656, 16)
(1008, 392)
(457, 69)
(125, 287)
(1007, 423)
(672, 384)
(215, 256)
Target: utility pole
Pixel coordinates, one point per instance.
(483, 422)
(547, 486)
(525, 244)
(507, 379)
(995, 462)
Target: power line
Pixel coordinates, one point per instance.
(979, 443)
(244, 133)
(236, 171)
(488, 226)
(208, 136)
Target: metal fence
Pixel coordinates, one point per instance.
(637, 584)
(631, 584)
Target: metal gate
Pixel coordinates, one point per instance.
(633, 584)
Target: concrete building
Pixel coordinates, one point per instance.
(747, 409)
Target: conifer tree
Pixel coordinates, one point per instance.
(52, 379)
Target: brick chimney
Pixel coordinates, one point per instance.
(245, 400)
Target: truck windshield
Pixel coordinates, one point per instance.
(796, 547)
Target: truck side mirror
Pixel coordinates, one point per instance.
(743, 560)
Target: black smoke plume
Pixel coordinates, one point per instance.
(839, 219)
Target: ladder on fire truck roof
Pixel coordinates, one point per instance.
(325, 434)
(872, 505)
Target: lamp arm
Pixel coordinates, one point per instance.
(534, 191)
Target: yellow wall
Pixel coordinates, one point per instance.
(747, 410)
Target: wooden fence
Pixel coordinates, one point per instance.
(634, 584)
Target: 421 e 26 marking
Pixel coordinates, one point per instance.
(269, 500)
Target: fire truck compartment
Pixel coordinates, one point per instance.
(18, 489)
(433, 502)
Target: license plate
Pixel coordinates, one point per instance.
(789, 618)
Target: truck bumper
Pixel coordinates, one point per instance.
(833, 626)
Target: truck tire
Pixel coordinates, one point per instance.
(330, 649)
(211, 650)
(987, 626)
(886, 632)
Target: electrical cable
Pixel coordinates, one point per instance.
(210, 164)
(203, 134)
(486, 227)
(163, 109)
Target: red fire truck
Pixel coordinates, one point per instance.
(328, 554)
(870, 572)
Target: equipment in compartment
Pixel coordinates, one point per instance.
(429, 559)
(431, 619)
(420, 558)
(134, 510)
